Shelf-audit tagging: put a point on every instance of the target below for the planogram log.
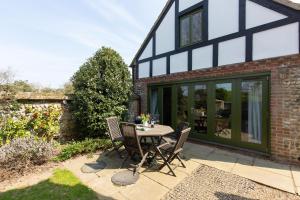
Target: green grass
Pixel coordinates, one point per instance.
(63, 185)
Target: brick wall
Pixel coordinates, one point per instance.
(284, 99)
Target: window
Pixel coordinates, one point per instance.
(191, 28)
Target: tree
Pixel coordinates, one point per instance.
(68, 88)
(6, 90)
(102, 87)
(23, 86)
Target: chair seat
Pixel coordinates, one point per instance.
(170, 140)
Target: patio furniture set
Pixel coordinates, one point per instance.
(148, 144)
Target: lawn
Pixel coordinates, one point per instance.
(62, 185)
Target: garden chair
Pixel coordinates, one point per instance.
(173, 137)
(115, 134)
(169, 152)
(133, 146)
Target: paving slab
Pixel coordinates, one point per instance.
(235, 155)
(164, 176)
(264, 177)
(144, 189)
(191, 166)
(296, 175)
(273, 167)
(197, 150)
(220, 161)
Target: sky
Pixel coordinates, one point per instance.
(46, 41)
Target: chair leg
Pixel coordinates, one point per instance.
(138, 167)
(178, 158)
(166, 162)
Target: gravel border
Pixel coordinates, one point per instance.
(209, 183)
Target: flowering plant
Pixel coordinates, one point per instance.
(145, 118)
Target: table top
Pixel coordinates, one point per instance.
(157, 131)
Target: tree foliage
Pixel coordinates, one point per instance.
(102, 88)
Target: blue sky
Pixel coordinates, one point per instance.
(45, 41)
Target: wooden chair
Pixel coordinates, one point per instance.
(173, 151)
(132, 145)
(115, 134)
(172, 138)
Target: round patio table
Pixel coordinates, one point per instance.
(157, 131)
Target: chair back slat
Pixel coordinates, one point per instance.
(131, 140)
(182, 126)
(182, 139)
(114, 128)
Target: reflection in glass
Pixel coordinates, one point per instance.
(154, 102)
(154, 105)
(185, 31)
(223, 110)
(196, 27)
(200, 109)
(251, 111)
(182, 99)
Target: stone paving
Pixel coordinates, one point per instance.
(155, 184)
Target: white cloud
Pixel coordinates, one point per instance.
(112, 10)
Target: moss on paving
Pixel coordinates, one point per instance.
(62, 185)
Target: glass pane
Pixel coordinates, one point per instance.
(251, 111)
(182, 98)
(154, 102)
(185, 31)
(167, 106)
(196, 27)
(223, 110)
(200, 109)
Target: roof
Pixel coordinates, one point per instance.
(287, 3)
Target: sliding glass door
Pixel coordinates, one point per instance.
(229, 111)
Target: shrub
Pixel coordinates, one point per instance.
(13, 128)
(22, 153)
(42, 122)
(81, 147)
(102, 87)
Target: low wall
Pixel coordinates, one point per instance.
(68, 128)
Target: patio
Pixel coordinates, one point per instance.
(154, 184)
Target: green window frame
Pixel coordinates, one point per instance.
(189, 34)
(236, 110)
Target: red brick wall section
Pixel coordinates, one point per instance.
(284, 98)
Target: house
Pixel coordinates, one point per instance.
(231, 68)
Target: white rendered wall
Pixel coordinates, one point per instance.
(179, 62)
(184, 4)
(232, 51)
(148, 51)
(165, 34)
(223, 17)
(144, 70)
(276, 42)
(203, 57)
(159, 67)
(257, 15)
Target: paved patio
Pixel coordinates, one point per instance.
(155, 184)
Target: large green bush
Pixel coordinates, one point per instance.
(102, 88)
